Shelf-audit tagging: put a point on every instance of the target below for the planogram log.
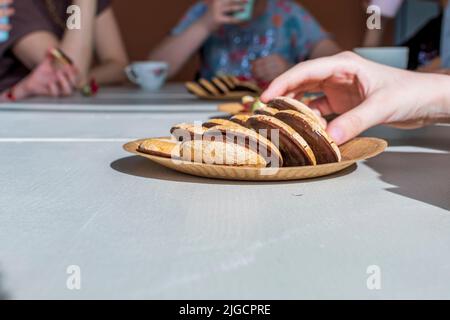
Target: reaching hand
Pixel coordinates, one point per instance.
(47, 79)
(365, 94)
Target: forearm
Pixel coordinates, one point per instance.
(79, 44)
(373, 38)
(189, 41)
(443, 99)
(432, 98)
(110, 50)
(108, 73)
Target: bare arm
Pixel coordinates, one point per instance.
(176, 50)
(77, 44)
(374, 38)
(110, 50)
(191, 40)
(325, 48)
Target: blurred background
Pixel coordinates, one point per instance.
(341, 17)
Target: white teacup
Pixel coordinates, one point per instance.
(149, 75)
(397, 57)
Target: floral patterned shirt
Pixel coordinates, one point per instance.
(445, 41)
(285, 28)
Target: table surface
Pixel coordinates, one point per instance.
(69, 195)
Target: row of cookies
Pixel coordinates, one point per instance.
(283, 133)
(250, 104)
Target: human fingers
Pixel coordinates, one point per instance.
(350, 124)
(257, 73)
(225, 9)
(71, 74)
(266, 61)
(53, 89)
(65, 87)
(225, 3)
(231, 8)
(311, 72)
(258, 65)
(269, 67)
(228, 6)
(263, 73)
(230, 20)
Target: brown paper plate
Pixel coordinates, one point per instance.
(356, 150)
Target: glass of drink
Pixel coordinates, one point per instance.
(247, 13)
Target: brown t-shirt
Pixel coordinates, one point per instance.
(31, 16)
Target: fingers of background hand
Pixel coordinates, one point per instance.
(266, 70)
(257, 68)
(232, 7)
(227, 8)
(71, 74)
(257, 74)
(227, 3)
(266, 63)
(64, 84)
(230, 20)
(21, 91)
(311, 72)
(53, 89)
(263, 74)
(352, 123)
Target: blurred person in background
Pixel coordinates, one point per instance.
(97, 50)
(279, 34)
(429, 47)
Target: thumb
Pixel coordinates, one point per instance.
(350, 124)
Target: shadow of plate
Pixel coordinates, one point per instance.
(144, 168)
